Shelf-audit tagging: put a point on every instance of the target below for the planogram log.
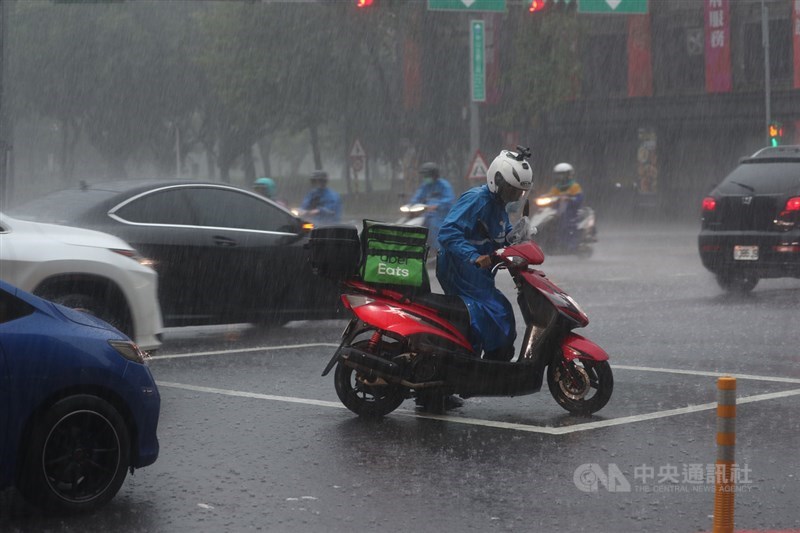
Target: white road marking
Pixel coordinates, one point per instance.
(245, 394)
(547, 430)
(615, 367)
(246, 350)
(705, 373)
(563, 430)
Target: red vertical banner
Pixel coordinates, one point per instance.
(412, 81)
(718, 46)
(796, 41)
(640, 66)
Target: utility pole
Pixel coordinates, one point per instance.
(5, 186)
(767, 84)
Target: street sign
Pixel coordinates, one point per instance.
(357, 157)
(357, 150)
(478, 63)
(478, 167)
(612, 6)
(467, 5)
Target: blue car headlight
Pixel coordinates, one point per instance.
(130, 351)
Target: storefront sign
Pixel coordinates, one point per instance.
(640, 67)
(718, 46)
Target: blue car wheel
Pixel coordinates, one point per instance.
(78, 455)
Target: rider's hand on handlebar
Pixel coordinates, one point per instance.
(484, 261)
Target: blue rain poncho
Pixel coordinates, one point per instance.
(328, 203)
(437, 193)
(477, 225)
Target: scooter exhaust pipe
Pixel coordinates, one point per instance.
(380, 367)
(364, 361)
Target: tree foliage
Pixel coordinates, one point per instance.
(542, 68)
(131, 77)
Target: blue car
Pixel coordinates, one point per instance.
(78, 405)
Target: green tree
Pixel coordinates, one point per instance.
(111, 71)
(49, 61)
(541, 69)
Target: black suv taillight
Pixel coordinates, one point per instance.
(790, 215)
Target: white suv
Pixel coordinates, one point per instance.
(83, 269)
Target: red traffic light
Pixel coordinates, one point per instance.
(537, 5)
(363, 3)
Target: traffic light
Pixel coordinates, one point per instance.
(363, 3)
(537, 5)
(775, 133)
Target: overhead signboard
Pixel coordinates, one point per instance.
(467, 5)
(626, 7)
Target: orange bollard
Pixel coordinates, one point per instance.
(724, 479)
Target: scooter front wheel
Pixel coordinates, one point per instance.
(364, 395)
(581, 387)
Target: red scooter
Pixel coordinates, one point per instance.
(399, 346)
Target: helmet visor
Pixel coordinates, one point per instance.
(507, 192)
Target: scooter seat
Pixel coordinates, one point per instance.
(451, 308)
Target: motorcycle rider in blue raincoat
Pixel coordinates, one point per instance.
(322, 204)
(436, 193)
(476, 226)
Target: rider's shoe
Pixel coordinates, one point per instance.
(438, 404)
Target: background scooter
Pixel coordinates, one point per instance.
(546, 220)
(412, 214)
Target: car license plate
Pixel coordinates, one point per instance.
(745, 253)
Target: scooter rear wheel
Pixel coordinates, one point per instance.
(366, 396)
(584, 388)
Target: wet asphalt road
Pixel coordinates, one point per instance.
(253, 439)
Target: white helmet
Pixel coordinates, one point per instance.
(563, 167)
(564, 174)
(510, 170)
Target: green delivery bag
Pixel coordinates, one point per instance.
(394, 255)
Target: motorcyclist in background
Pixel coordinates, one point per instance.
(322, 205)
(437, 194)
(476, 226)
(265, 187)
(570, 196)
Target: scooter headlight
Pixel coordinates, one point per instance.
(574, 304)
(544, 201)
(413, 208)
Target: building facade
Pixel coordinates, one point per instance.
(671, 100)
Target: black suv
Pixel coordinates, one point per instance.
(751, 221)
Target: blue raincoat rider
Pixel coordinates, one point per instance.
(437, 194)
(322, 205)
(476, 226)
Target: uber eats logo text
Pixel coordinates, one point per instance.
(393, 266)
